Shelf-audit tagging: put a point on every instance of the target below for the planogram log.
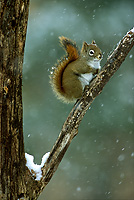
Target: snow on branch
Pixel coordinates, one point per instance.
(34, 168)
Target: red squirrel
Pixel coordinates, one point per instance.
(75, 70)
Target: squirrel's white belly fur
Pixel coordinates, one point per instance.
(85, 79)
(94, 64)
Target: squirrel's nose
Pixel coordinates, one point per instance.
(99, 56)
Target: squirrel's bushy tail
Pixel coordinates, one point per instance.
(56, 75)
(70, 47)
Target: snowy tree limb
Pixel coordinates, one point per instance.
(70, 127)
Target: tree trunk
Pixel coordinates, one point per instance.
(14, 15)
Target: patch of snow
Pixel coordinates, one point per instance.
(78, 189)
(132, 154)
(117, 141)
(130, 32)
(132, 29)
(121, 157)
(34, 168)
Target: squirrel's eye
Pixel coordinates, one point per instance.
(91, 52)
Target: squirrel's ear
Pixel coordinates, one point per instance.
(93, 42)
(84, 47)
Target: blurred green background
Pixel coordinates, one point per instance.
(99, 163)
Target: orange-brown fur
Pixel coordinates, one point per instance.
(67, 75)
(72, 55)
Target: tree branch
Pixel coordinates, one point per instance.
(70, 127)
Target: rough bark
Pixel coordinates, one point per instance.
(16, 181)
(13, 15)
